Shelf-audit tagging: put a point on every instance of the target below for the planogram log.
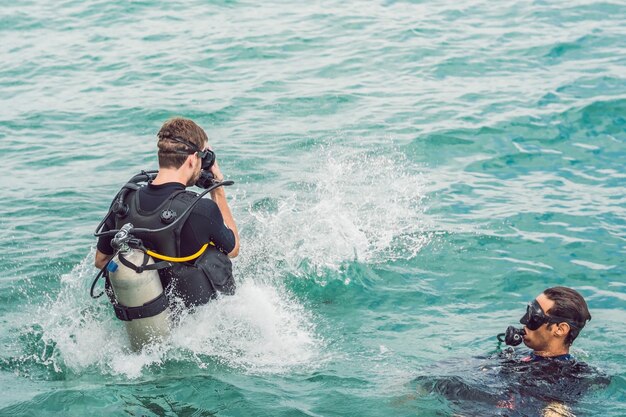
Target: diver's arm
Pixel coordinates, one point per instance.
(101, 259)
(219, 197)
(104, 243)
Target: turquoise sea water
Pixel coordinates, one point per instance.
(408, 175)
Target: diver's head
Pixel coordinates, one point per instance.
(183, 146)
(554, 319)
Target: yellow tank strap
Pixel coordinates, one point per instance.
(185, 259)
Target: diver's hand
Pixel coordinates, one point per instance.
(217, 173)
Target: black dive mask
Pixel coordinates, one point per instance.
(208, 159)
(535, 317)
(207, 155)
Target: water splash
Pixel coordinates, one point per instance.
(259, 329)
(361, 206)
(255, 330)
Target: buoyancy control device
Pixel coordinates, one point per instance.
(133, 283)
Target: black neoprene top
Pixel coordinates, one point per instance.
(204, 224)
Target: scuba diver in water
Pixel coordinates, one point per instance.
(157, 228)
(549, 374)
(545, 381)
(552, 322)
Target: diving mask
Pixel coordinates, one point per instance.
(535, 317)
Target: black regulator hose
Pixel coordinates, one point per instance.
(100, 275)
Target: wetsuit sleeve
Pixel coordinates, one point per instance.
(207, 224)
(104, 242)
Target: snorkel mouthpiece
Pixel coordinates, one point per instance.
(513, 336)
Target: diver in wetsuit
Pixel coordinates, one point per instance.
(549, 372)
(541, 382)
(183, 153)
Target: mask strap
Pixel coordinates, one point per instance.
(185, 142)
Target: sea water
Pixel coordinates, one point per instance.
(409, 174)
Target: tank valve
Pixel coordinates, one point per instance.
(120, 241)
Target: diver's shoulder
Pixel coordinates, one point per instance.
(583, 369)
(205, 207)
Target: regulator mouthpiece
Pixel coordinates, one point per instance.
(513, 336)
(206, 179)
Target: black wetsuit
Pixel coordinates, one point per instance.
(204, 224)
(507, 384)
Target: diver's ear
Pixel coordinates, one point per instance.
(191, 160)
(561, 329)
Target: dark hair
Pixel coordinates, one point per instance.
(186, 129)
(569, 304)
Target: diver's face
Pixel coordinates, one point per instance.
(540, 339)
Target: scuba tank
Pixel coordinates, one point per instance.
(139, 297)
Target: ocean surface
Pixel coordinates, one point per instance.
(409, 174)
